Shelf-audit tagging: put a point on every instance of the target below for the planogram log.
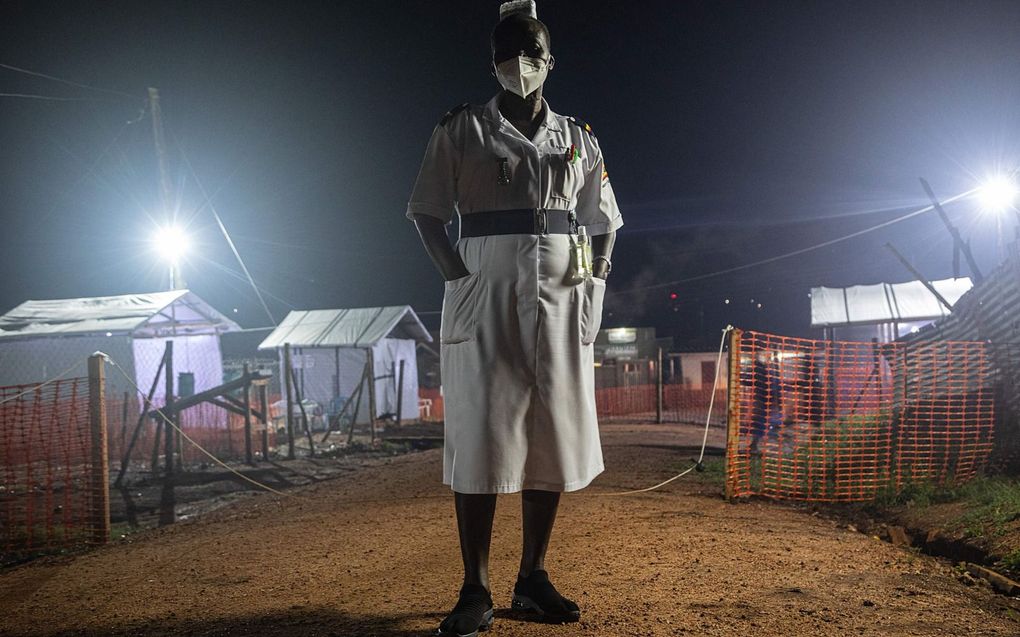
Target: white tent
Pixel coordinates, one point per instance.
(40, 339)
(329, 350)
(883, 302)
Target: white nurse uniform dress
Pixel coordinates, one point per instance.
(516, 334)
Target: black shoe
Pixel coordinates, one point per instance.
(473, 613)
(537, 596)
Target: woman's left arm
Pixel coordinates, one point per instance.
(602, 245)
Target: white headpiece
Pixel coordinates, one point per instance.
(527, 7)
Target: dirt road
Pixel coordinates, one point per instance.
(374, 552)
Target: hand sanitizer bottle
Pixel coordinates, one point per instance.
(581, 256)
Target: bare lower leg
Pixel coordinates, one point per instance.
(538, 510)
(474, 524)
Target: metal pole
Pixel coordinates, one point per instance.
(288, 382)
(99, 474)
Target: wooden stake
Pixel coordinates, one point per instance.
(304, 419)
(732, 410)
(371, 391)
(247, 419)
(658, 388)
(288, 383)
(400, 390)
(138, 427)
(168, 411)
(357, 404)
(264, 408)
(99, 474)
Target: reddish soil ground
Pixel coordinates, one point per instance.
(374, 552)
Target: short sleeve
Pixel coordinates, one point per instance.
(596, 202)
(435, 189)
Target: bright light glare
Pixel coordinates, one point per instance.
(171, 243)
(998, 194)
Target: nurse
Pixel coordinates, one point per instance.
(519, 317)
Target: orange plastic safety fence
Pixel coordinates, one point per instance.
(45, 460)
(846, 421)
(638, 403)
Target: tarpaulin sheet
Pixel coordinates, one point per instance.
(883, 302)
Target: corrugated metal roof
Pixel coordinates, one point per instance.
(122, 314)
(354, 327)
(883, 302)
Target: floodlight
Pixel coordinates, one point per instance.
(171, 242)
(998, 194)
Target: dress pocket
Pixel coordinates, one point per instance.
(457, 323)
(591, 308)
(564, 178)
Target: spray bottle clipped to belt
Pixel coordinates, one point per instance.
(580, 256)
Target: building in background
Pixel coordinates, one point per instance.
(41, 339)
(329, 353)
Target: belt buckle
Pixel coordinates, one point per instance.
(541, 221)
(572, 221)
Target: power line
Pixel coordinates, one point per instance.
(226, 235)
(68, 82)
(793, 253)
(51, 98)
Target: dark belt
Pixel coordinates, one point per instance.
(518, 221)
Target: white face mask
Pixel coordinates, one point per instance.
(522, 75)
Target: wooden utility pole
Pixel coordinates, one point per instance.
(165, 192)
(99, 474)
(288, 382)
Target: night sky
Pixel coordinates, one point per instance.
(732, 132)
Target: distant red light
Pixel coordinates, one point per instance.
(673, 295)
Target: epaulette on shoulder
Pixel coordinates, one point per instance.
(581, 124)
(450, 114)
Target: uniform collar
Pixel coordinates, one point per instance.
(549, 124)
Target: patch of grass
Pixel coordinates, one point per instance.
(714, 471)
(990, 503)
(1011, 561)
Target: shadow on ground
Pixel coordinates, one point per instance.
(285, 623)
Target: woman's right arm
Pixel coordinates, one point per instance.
(437, 245)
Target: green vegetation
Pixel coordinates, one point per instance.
(827, 461)
(1011, 561)
(714, 471)
(990, 504)
(713, 474)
